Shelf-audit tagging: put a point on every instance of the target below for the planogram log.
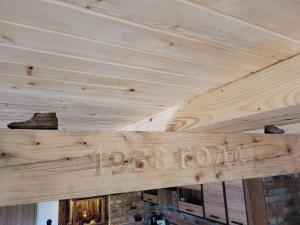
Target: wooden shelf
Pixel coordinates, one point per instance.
(190, 200)
(196, 210)
(150, 196)
(214, 203)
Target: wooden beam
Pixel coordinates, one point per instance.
(270, 96)
(48, 165)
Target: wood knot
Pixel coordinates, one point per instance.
(131, 90)
(198, 177)
(37, 143)
(4, 155)
(218, 175)
(29, 70)
(140, 165)
(188, 158)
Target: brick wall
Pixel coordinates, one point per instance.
(124, 207)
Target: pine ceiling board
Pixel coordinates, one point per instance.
(87, 83)
(45, 40)
(279, 16)
(45, 104)
(135, 95)
(67, 98)
(29, 71)
(195, 22)
(19, 85)
(124, 33)
(38, 58)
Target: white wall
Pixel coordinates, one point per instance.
(45, 211)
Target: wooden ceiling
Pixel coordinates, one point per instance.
(106, 64)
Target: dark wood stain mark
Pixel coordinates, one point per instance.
(218, 175)
(131, 90)
(198, 177)
(5, 155)
(8, 38)
(29, 70)
(140, 165)
(188, 158)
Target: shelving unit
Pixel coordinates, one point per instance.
(190, 200)
(151, 196)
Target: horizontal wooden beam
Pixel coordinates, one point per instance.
(48, 165)
(270, 96)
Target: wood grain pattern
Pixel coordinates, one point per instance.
(197, 24)
(47, 165)
(268, 96)
(236, 203)
(196, 210)
(135, 52)
(277, 16)
(214, 203)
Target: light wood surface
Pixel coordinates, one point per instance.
(193, 187)
(47, 165)
(265, 15)
(214, 203)
(135, 53)
(150, 198)
(236, 203)
(270, 96)
(196, 210)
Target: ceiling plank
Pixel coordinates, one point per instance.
(266, 97)
(60, 43)
(196, 23)
(61, 62)
(115, 31)
(47, 165)
(277, 16)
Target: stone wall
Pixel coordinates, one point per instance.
(282, 199)
(125, 207)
